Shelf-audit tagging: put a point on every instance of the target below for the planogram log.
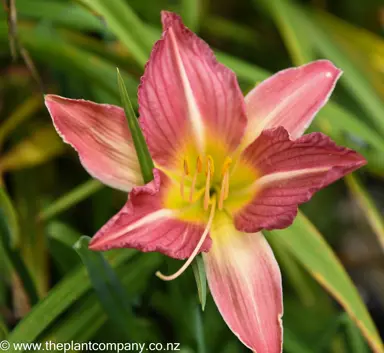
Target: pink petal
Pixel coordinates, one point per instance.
(185, 93)
(100, 135)
(145, 225)
(245, 282)
(290, 98)
(290, 173)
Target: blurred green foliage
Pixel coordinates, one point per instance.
(47, 201)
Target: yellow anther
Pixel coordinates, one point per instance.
(186, 167)
(226, 164)
(199, 164)
(210, 166)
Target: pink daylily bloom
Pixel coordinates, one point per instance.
(226, 168)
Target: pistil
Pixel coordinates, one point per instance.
(196, 250)
(209, 174)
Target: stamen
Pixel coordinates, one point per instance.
(197, 248)
(199, 168)
(186, 167)
(199, 164)
(210, 165)
(209, 174)
(226, 164)
(224, 191)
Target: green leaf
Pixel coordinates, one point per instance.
(332, 119)
(50, 48)
(86, 317)
(33, 150)
(190, 12)
(292, 344)
(108, 288)
(354, 338)
(329, 333)
(59, 299)
(145, 159)
(201, 279)
(19, 115)
(353, 79)
(67, 14)
(70, 199)
(366, 203)
(292, 29)
(7, 227)
(126, 25)
(294, 272)
(308, 246)
(3, 329)
(10, 219)
(199, 330)
(61, 240)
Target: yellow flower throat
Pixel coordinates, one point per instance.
(207, 168)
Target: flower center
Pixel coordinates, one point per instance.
(204, 171)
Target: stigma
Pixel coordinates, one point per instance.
(208, 186)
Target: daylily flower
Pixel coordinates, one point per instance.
(226, 168)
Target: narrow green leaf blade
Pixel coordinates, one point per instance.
(190, 12)
(368, 206)
(23, 112)
(33, 150)
(292, 344)
(292, 30)
(199, 330)
(8, 225)
(126, 25)
(355, 340)
(70, 199)
(107, 285)
(201, 279)
(312, 251)
(3, 329)
(353, 79)
(10, 218)
(145, 159)
(59, 299)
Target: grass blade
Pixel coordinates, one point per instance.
(59, 299)
(201, 279)
(366, 203)
(126, 26)
(308, 246)
(7, 228)
(190, 12)
(33, 150)
(108, 288)
(145, 159)
(70, 199)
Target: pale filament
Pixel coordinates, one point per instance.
(224, 190)
(195, 251)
